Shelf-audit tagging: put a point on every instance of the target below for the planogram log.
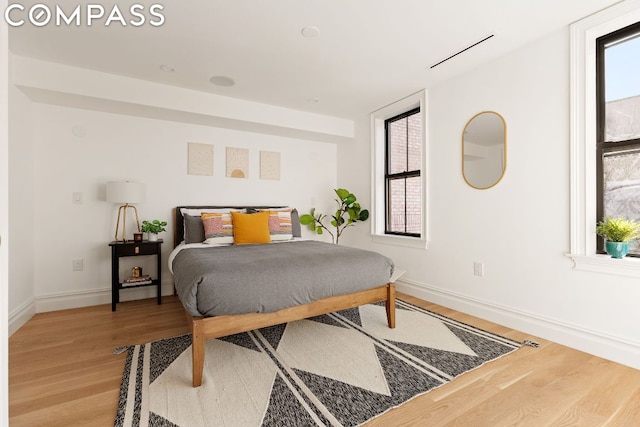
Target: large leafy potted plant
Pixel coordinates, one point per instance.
(617, 233)
(348, 213)
(153, 228)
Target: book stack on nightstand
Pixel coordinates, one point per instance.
(137, 281)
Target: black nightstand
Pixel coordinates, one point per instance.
(127, 249)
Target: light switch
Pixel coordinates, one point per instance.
(77, 198)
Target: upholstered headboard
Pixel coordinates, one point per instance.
(178, 219)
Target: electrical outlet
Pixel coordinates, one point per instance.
(78, 264)
(478, 269)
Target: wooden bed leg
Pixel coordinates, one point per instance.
(391, 305)
(197, 352)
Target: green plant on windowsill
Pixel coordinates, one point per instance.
(618, 229)
(348, 213)
(617, 233)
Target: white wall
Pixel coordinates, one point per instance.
(21, 210)
(520, 228)
(4, 218)
(66, 85)
(119, 147)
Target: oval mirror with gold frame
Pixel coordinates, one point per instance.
(484, 150)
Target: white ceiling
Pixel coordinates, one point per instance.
(368, 53)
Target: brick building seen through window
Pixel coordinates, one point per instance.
(402, 175)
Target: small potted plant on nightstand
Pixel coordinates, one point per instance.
(617, 233)
(153, 228)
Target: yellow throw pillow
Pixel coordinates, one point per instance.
(250, 228)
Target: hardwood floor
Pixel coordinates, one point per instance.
(62, 373)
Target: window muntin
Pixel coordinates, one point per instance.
(403, 185)
(618, 122)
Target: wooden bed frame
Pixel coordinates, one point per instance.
(219, 326)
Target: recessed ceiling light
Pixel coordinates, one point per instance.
(222, 81)
(310, 31)
(167, 69)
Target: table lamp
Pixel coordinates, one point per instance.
(125, 192)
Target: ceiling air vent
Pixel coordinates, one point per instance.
(463, 50)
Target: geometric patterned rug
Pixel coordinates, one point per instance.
(338, 369)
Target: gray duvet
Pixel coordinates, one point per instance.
(265, 278)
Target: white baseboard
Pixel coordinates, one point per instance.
(618, 349)
(77, 299)
(21, 315)
(65, 300)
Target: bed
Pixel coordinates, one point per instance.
(228, 288)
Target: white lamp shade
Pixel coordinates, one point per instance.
(125, 192)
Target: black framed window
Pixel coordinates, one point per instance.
(618, 127)
(403, 185)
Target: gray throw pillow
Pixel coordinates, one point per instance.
(193, 229)
(295, 223)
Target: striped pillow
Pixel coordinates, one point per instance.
(218, 228)
(193, 226)
(279, 224)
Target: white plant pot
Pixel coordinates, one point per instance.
(153, 237)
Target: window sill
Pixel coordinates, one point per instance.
(629, 267)
(409, 242)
